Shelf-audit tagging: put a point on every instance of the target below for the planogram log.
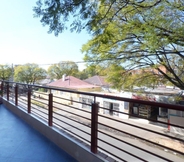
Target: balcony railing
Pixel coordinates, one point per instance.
(113, 127)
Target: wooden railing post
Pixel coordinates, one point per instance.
(50, 113)
(94, 127)
(7, 91)
(16, 94)
(29, 100)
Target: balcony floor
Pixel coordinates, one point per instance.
(21, 143)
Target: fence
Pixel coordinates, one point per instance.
(82, 116)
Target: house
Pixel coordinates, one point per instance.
(106, 105)
(164, 95)
(45, 81)
(99, 81)
(141, 110)
(73, 83)
(151, 70)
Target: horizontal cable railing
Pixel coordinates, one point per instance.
(124, 129)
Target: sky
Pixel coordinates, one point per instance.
(23, 39)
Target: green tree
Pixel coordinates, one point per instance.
(56, 14)
(92, 70)
(82, 75)
(29, 73)
(56, 71)
(6, 72)
(134, 34)
(89, 71)
(114, 75)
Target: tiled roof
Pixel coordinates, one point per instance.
(45, 81)
(71, 82)
(97, 80)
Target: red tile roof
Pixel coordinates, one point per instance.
(72, 83)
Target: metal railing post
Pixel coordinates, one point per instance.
(50, 113)
(29, 101)
(2, 88)
(94, 127)
(16, 95)
(7, 91)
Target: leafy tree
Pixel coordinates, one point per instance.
(56, 71)
(89, 71)
(29, 73)
(92, 70)
(5, 72)
(114, 75)
(56, 13)
(136, 34)
(82, 75)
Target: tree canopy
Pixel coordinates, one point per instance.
(136, 34)
(29, 73)
(6, 72)
(56, 71)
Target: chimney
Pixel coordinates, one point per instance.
(64, 76)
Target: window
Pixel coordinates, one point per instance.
(126, 105)
(135, 110)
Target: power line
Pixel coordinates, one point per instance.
(67, 62)
(77, 62)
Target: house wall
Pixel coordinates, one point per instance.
(95, 89)
(176, 113)
(176, 117)
(70, 97)
(104, 102)
(59, 97)
(178, 121)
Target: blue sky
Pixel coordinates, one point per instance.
(23, 39)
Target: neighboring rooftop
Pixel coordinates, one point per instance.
(45, 81)
(72, 83)
(97, 80)
(164, 91)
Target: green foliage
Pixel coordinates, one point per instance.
(92, 70)
(114, 76)
(56, 71)
(148, 35)
(82, 75)
(6, 72)
(134, 34)
(42, 90)
(29, 73)
(38, 104)
(56, 13)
